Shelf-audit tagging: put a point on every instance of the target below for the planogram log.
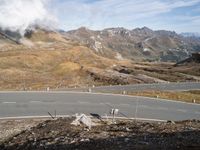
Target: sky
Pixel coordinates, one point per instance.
(174, 15)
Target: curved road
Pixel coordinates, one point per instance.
(141, 87)
(14, 104)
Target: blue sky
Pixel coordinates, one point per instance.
(176, 15)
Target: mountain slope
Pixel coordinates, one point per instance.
(47, 59)
(138, 44)
(191, 34)
(44, 59)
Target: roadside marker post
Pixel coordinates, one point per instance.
(48, 88)
(89, 90)
(114, 112)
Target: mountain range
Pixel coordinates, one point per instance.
(140, 44)
(191, 34)
(137, 44)
(83, 57)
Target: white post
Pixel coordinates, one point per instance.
(89, 90)
(113, 113)
(136, 110)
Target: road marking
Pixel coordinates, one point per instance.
(9, 102)
(81, 102)
(102, 103)
(182, 110)
(106, 94)
(35, 102)
(125, 105)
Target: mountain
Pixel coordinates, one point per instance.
(44, 59)
(137, 44)
(83, 58)
(191, 34)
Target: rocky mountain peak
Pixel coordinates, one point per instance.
(139, 43)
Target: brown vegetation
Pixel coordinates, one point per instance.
(186, 96)
(48, 59)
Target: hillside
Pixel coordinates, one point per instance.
(137, 44)
(47, 59)
(44, 59)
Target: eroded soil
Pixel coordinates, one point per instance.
(60, 134)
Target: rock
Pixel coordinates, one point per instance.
(82, 119)
(127, 129)
(170, 121)
(143, 143)
(85, 140)
(126, 139)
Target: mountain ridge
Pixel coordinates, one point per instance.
(52, 59)
(191, 34)
(142, 43)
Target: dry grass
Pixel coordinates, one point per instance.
(42, 68)
(57, 62)
(66, 68)
(186, 96)
(167, 71)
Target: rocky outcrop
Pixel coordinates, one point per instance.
(194, 58)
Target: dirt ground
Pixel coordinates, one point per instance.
(60, 134)
(9, 128)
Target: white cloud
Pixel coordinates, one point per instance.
(99, 14)
(108, 13)
(18, 15)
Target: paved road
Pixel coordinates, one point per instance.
(142, 87)
(13, 104)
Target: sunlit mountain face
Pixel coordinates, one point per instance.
(103, 47)
(140, 43)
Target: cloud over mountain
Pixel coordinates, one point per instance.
(18, 15)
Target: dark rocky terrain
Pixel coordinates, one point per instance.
(60, 134)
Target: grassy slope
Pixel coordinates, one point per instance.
(186, 96)
(50, 60)
(48, 68)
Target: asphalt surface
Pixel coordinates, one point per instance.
(142, 87)
(15, 104)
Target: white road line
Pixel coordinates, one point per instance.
(35, 102)
(124, 105)
(101, 103)
(106, 94)
(80, 102)
(9, 102)
(182, 110)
